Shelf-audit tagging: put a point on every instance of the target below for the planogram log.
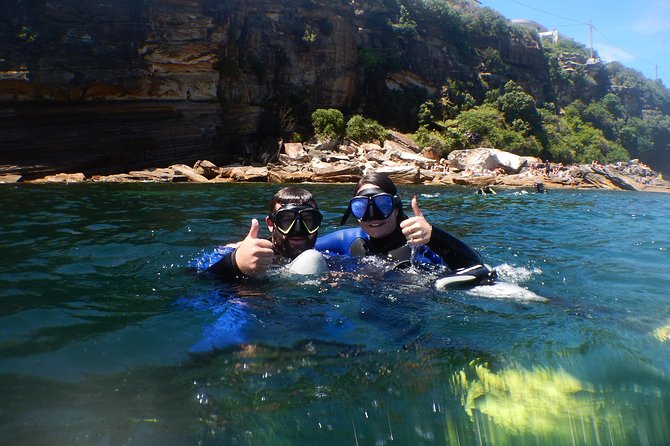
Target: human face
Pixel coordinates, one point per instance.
(372, 221)
(294, 228)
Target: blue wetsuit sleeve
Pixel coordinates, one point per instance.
(220, 262)
(226, 266)
(341, 241)
(455, 253)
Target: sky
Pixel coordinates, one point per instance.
(635, 33)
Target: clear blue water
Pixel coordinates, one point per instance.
(99, 315)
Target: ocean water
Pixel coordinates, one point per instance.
(107, 337)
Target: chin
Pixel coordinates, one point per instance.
(378, 230)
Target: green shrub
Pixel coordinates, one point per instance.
(478, 124)
(442, 142)
(361, 129)
(515, 104)
(328, 123)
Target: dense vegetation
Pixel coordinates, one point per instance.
(591, 111)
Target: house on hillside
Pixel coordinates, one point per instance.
(541, 30)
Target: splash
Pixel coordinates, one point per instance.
(507, 286)
(506, 290)
(509, 273)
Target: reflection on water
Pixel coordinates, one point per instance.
(544, 402)
(107, 337)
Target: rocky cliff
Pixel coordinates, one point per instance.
(117, 85)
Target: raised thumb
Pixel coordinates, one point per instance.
(253, 231)
(415, 207)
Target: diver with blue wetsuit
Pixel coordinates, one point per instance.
(293, 221)
(386, 231)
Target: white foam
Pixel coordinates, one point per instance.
(507, 285)
(515, 274)
(506, 290)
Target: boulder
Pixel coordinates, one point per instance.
(376, 156)
(401, 174)
(510, 162)
(403, 140)
(475, 181)
(393, 146)
(62, 178)
(10, 178)
(340, 172)
(430, 153)
(188, 172)
(245, 173)
(207, 169)
(295, 150)
(287, 174)
(410, 157)
(370, 147)
(348, 150)
(485, 159)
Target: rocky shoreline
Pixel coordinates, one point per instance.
(347, 161)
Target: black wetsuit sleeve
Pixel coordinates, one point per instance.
(226, 267)
(455, 253)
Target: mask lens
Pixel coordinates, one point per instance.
(359, 206)
(284, 220)
(384, 203)
(311, 218)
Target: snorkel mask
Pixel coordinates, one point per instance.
(371, 204)
(293, 219)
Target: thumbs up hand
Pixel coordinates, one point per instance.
(416, 229)
(253, 255)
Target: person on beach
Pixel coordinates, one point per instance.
(385, 230)
(293, 222)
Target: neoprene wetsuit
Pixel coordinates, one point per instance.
(442, 249)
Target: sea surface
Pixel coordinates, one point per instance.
(109, 337)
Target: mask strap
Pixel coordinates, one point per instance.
(346, 216)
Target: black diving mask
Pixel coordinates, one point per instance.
(371, 204)
(293, 218)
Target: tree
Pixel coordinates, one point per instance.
(328, 123)
(361, 129)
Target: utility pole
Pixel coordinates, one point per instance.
(591, 37)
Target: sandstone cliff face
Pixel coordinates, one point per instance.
(116, 85)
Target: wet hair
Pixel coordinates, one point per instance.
(292, 195)
(381, 180)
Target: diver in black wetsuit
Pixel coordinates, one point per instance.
(385, 230)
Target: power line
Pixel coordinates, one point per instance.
(623, 49)
(548, 13)
(591, 28)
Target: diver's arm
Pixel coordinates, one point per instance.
(456, 253)
(226, 267)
